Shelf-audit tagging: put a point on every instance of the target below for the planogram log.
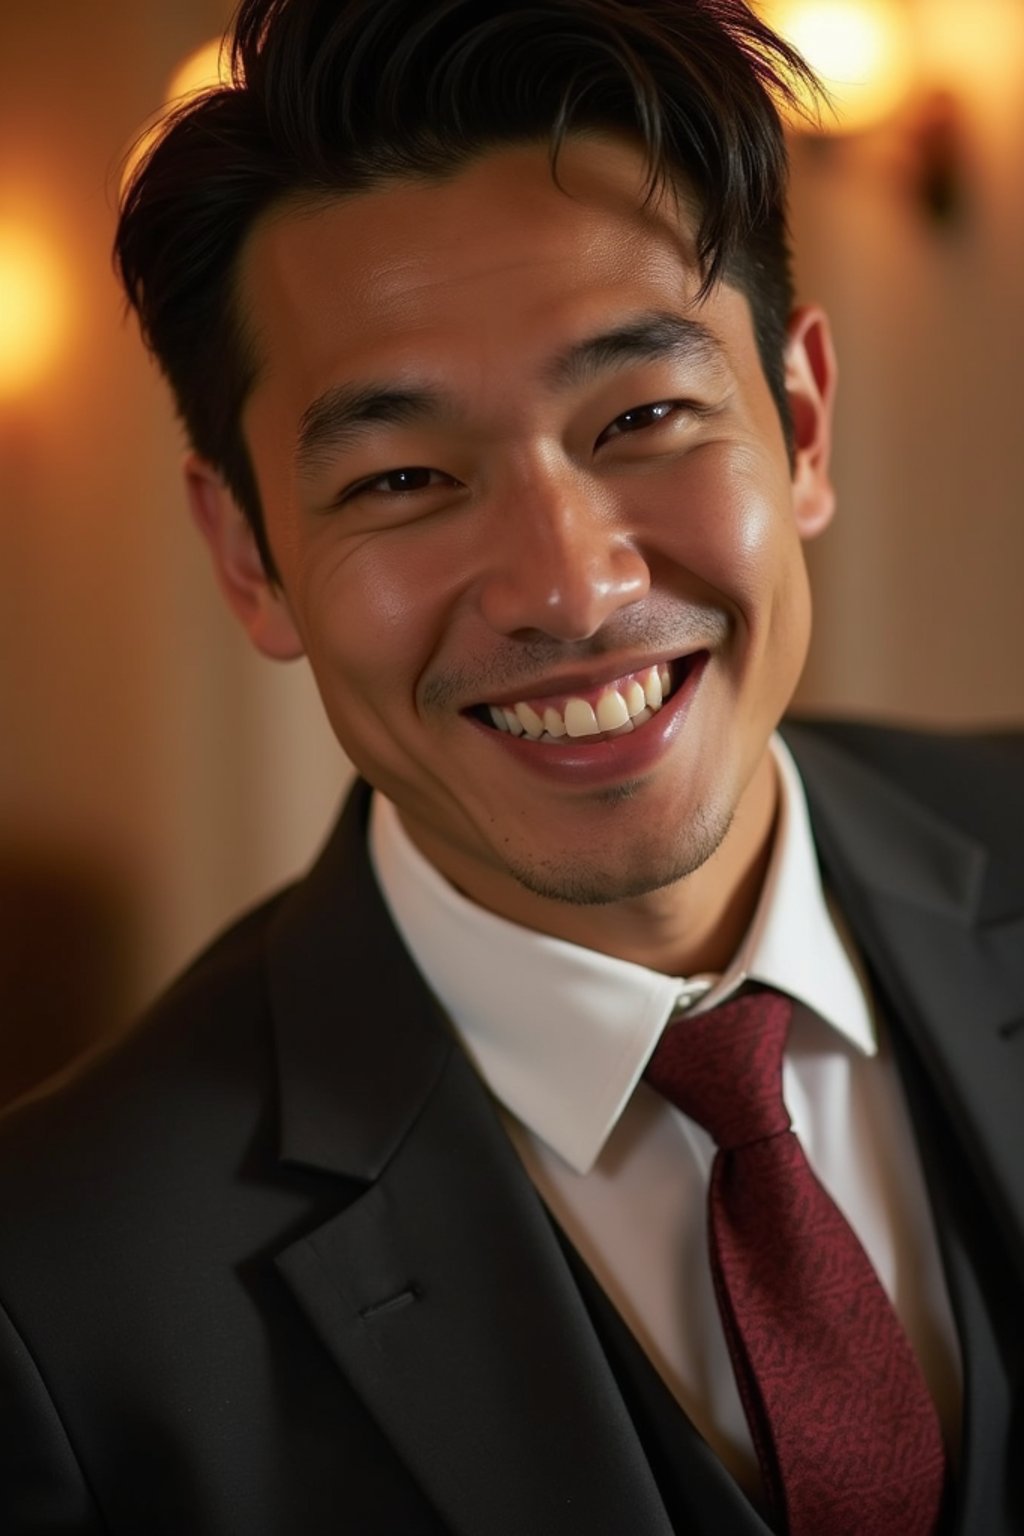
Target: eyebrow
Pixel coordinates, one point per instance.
(343, 414)
(647, 339)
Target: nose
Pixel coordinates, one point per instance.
(559, 559)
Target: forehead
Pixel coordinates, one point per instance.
(468, 279)
(374, 263)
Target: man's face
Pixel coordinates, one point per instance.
(506, 459)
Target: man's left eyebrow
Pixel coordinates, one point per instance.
(648, 338)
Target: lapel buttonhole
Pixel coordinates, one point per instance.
(391, 1303)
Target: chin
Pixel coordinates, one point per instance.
(621, 875)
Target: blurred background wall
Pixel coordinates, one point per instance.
(155, 777)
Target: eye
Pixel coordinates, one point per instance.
(639, 417)
(398, 482)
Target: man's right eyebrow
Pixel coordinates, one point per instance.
(344, 413)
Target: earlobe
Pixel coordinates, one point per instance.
(810, 386)
(258, 604)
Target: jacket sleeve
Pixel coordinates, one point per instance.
(43, 1491)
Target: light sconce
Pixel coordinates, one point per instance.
(206, 66)
(33, 307)
(867, 55)
(861, 49)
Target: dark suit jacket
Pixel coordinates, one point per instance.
(271, 1266)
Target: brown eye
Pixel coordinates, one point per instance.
(639, 417)
(399, 482)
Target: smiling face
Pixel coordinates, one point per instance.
(518, 481)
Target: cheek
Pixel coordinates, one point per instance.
(372, 616)
(732, 526)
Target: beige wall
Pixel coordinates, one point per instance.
(918, 583)
(140, 740)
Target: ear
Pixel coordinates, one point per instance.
(256, 601)
(810, 385)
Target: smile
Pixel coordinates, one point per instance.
(616, 708)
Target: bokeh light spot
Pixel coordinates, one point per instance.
(33, 307)
(862, 50)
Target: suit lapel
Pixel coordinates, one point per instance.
(440, 1290)
(914, 890)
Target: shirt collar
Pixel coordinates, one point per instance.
(560, 1033)
(797, 941)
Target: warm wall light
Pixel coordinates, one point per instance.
(207, 65)
(866, 54)
(33, 308)
(862, 50)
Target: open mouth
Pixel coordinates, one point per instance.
(614, 709)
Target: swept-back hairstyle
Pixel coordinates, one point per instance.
(337, 96)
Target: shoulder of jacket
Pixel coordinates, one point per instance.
(214, 1012)
(972, 779)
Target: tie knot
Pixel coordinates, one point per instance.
(723, 1068)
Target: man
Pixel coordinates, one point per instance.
(480, 321)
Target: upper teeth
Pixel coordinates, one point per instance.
(620, 708)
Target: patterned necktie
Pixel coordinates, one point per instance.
(841, 1419)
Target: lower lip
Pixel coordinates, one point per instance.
(606, 762)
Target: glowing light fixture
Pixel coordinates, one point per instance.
(861, 49)
(33, 308)
(206, 66)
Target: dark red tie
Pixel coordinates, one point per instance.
(842, 1421)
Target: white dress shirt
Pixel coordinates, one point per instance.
(561, 1034)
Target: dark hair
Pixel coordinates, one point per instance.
(334, 96)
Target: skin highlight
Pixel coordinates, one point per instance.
(559, 531)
